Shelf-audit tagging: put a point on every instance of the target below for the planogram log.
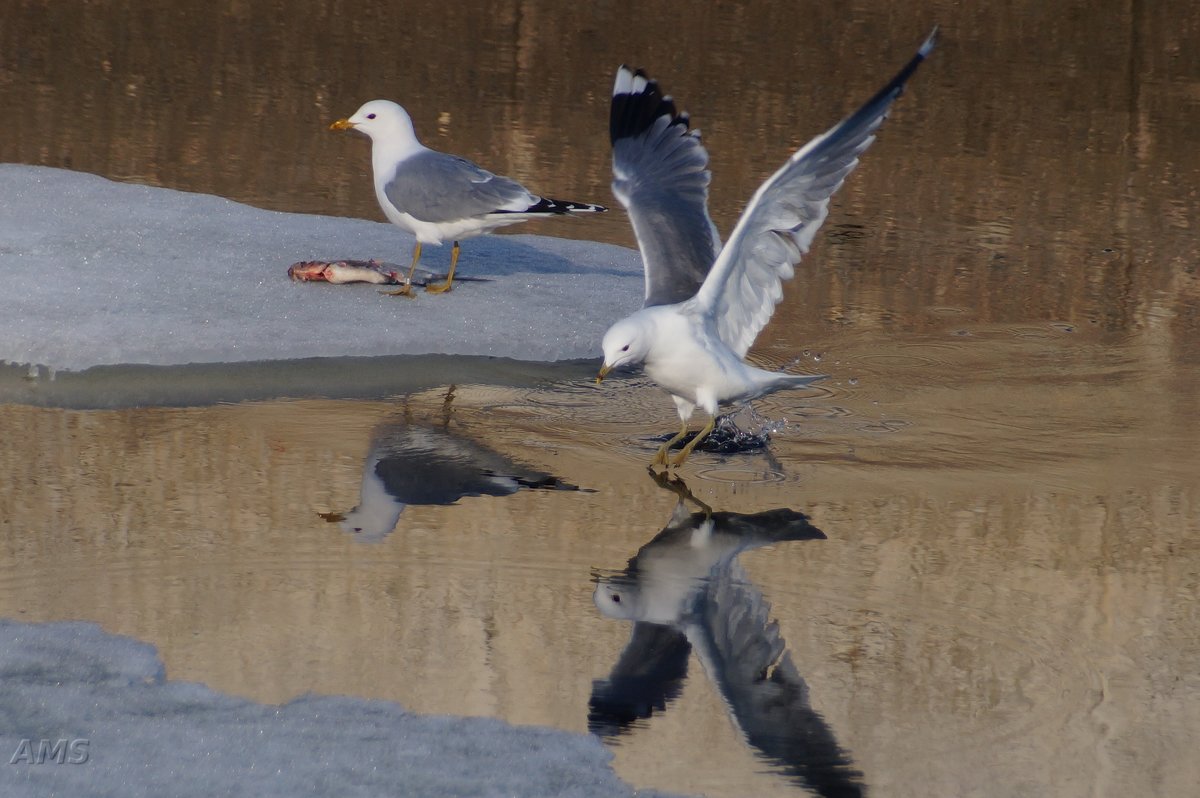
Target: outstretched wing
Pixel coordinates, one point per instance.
(660, 175)
(744, 653)
(778, 226)
(648, 676)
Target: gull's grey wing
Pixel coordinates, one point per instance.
(729, 535)
(648, 675)
(660, 175)
(422, 464)
(743, 652)
(436, 187)
(778, 226)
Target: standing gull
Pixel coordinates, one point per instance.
(436, 196)
(705, 304)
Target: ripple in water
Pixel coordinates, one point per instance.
(1057, 682)
(743, 476)
(886, 425)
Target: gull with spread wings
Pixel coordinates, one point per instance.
(706, 303)
(686, 594)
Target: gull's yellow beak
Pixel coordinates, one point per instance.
(342, 124)
(603, 373)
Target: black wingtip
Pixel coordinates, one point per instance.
(637, 102)
(894, 88)
(897, 83)
(555, 206)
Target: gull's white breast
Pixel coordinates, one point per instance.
(689, 360)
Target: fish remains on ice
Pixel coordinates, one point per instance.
(378, 272)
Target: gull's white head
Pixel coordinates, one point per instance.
(377, 512)
(369, 524)
(617, 598)
(381, 120)
(627, 341)
(627, 597)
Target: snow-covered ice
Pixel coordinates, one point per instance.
(97, 272)
(113, 724)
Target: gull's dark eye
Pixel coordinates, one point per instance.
(370, 116)
(625, 348)
(616, 598)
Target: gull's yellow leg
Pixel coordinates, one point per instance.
(661, 457)
(701, 435)
(676, 485)
(444, 287)
(406, 289)
(447, 409)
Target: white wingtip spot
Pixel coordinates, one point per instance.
(927, 46)
(623, 81)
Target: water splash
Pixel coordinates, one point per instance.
(743, 430)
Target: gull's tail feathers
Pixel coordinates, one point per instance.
(772, 381)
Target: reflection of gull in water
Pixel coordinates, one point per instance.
(412, 463)
(684, 590)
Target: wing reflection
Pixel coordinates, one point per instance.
(685, 591)
(421, 463)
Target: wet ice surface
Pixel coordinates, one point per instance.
(116, 725)
(99, 272)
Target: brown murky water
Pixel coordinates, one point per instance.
(1003, 461)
